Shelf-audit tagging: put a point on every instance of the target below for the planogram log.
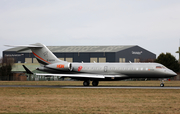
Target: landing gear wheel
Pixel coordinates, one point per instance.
(86, 83)
(162, 85)
(95, 83)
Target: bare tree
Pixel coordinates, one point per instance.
(6, 64)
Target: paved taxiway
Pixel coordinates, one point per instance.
(116, 87)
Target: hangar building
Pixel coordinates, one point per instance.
(119, 53)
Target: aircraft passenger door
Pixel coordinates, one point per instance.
(105, 68)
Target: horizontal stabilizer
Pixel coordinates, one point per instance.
(25, 47)
(27, 70)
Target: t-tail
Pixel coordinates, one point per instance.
(48, 60)
(43, 55)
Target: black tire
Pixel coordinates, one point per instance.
(86, 83)
(162, 85)
(95, 83)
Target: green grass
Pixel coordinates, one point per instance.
(87, 101)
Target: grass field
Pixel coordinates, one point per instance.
(101, 83)
(87, 101)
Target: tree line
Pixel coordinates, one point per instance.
(6, 64)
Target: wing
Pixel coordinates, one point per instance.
(84, 75)
(73, 75)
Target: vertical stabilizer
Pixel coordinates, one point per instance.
(44, 55)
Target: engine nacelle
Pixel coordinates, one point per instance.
(61, 66)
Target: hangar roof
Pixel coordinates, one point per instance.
(82, 48)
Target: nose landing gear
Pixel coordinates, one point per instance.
(162, 83)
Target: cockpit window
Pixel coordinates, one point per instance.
(158, 67)
(161, 67)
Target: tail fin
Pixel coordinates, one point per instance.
(41, 52)
(44, 55)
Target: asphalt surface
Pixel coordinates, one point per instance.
(98, 87)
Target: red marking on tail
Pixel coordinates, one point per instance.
(40, 58)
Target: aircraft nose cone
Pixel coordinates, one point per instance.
(172, 73)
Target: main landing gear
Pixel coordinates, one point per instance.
(95, 83)
(87, 82)
(162, 83)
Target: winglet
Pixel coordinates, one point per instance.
(27, 70)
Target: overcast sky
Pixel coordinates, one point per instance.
(151, 24)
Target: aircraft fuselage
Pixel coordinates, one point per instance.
(118, 70)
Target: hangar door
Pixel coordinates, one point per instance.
(92, 60)
(102, 60)
(69, 59)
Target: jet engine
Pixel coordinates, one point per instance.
(63, 66)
